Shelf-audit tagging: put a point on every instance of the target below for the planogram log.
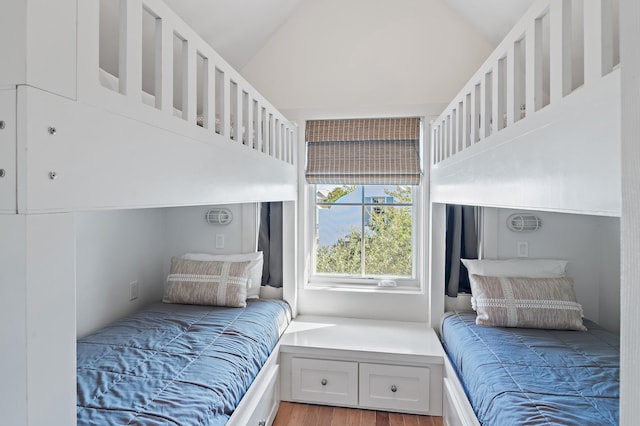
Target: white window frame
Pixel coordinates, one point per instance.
(350, 283)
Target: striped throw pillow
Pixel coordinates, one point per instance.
(216, 283)
(548, 303)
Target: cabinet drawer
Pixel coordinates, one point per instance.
(324, 382)
(395, 388)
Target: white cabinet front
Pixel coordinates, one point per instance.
(394, 387)
(324, 381)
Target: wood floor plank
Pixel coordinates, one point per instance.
(340, 417)
(298, 414)
(293, 414)
(382, 418)
(353, 417)
(367, 418)
(312, 415)
(410, 420)
(396, 419)
(325, 416)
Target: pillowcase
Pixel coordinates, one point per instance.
(207, 283)
(548, 303)
(255, 267)
(531, 268)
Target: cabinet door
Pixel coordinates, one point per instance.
(324, 381)
(395, 388)
(8, 151)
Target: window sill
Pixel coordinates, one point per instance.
(363, 288)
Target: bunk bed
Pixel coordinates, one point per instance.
(537, 127)
(162, 122)
(178, 364)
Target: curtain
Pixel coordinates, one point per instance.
(270, 243)
(461, 242)
(364, 151)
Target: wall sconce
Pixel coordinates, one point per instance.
(218, 216)
(523, 222)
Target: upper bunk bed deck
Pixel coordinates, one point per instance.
(133, 110)
(538, 125)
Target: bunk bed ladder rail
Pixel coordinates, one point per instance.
(557, 47)
(185, 85)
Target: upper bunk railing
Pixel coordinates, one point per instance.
(557, 47)
(138, 58)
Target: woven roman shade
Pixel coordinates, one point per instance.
(364, 151)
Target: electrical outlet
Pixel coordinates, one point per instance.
(523, 249)
(133, 290)
(219, 241)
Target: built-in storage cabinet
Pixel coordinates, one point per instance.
(382, 365)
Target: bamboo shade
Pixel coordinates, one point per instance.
(364, 151)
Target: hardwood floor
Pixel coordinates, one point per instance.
(290, 414)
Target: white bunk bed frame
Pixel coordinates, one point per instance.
(521, 135)
(68, 143)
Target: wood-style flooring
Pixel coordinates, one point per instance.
(290, 414)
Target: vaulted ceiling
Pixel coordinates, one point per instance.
(238, 29)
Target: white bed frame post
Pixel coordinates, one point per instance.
(37, 52)
(630, 224)
(37, 319)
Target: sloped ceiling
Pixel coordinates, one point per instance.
(491, 18)
(238, 29)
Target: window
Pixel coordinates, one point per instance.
(364, 232)
(363, 179)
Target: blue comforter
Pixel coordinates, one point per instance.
(516, 376)
(175, 364)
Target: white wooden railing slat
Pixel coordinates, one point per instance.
(165, 58)
(594, 30)
(130, 62)
(560, 53)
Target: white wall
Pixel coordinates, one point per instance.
(591, 244)
(187, 231)
(365, 58)
(117, 247)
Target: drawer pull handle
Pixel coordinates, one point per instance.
(394, 388)
(262, 422)
(323, 382)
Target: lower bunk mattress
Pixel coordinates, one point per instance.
(175, 364)
(520, 376)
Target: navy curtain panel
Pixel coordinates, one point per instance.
(461, 242)
(270, 243)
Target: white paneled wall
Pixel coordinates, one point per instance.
(591, 244)
(115, 248)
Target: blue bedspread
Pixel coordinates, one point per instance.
(516, 376)
(175, 364)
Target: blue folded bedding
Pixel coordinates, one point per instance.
(175, 364)
(516, 376)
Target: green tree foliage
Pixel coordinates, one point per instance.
(387, 243)
(337, 193)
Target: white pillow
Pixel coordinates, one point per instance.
(521, 268)
(255, 267)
